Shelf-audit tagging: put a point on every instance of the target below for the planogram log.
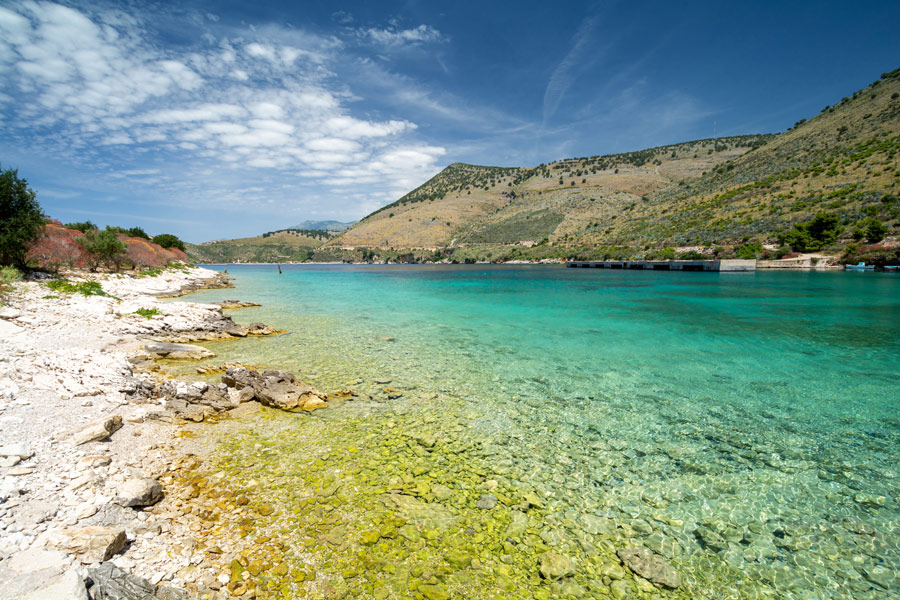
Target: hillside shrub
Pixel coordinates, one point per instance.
(148, 313)
(102, 247)
(21, 218)
(168, 241)
(82, 226)
(749, 250)
(871, 229)
(821, 231)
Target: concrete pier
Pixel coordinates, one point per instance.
(725, 265)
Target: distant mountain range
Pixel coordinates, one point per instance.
(323, 225)
(840, 169)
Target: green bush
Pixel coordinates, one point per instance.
(873, 230)
(82, 226)
(167, 240)
(821, 231)
(102, 247)
(21, 218)
(749, 250)
(147, 312)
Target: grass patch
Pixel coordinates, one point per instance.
(85, 288)
(49, 297)
(148, 313)
(154, 272)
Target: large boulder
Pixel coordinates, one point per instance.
(650, 566)
(177, 351)
(277, 389)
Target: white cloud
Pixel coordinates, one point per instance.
(396, 37)
(265, 100)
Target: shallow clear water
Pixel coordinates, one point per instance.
(744, 426)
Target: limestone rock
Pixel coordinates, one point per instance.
(98, 430)
(68, 586)
(277, 389)
(556, 566)
(177, 351)
(19, 450)
(139, 492)
(38, 559)
(650, 566)
(91, 544)
(112, 583)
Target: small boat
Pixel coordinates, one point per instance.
(860, 266)
(892, 268)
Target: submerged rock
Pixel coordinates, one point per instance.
(650, 566)
(487, 502)
(429, 515)
(556, 566)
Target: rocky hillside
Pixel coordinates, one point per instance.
(469, 204)
(717, 192)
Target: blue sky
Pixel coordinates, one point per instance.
(230, 118)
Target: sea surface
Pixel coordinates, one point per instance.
(744, 427)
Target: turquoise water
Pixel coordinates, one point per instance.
(744, 425)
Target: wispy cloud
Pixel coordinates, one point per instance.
(393, 36)
(563, 75)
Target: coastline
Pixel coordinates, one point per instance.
(85, 450)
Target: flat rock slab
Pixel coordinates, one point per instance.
(68, 586)
(38, 559)
(650, 566)
(91, 544)
(177, 351)
(112, 583)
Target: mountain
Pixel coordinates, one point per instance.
(286, 245)
(727, 192)
(324, 225)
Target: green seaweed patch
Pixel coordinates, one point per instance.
(397, 517)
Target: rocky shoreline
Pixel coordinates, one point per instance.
(90, 442)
